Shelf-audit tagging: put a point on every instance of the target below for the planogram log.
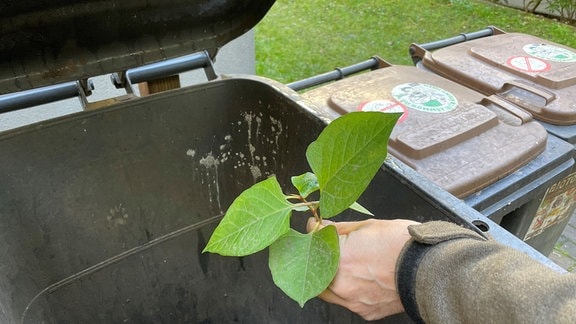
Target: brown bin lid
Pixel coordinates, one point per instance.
(454, 136)
(49, 42)
(536, 74)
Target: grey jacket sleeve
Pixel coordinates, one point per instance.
(448, 274)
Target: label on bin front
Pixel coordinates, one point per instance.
(528, 64)
(550, 52)
(385, 106)
(425, 97)
(558, 204)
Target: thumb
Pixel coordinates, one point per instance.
(313, 223)
(343, 228)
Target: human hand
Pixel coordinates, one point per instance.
(366, 279)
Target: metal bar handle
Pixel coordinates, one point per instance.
(39, 96)
(418, 50)
(171, 67)
(34, 97)
(489, 31)
(337, 74)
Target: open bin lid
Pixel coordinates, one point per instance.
(454, 136)
(538, 75)
(48, 42)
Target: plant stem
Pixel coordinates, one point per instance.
(315, 213)
(312, 205)
(298, 197)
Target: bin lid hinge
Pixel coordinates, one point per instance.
(165, 69)
(121, 80)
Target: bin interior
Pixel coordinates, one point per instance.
(104, 213)
(536, 74)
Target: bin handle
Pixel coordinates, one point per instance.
(508, 87)
(417, 50)
(510, 108)
(373, 63)
(34, 97)
(83, 88)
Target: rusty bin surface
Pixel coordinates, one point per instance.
(480, 148)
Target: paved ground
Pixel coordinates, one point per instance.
(564, 253)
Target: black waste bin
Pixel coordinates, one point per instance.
(105, 213)
(480, 148)
(537, 75)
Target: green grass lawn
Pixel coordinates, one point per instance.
(301, 38)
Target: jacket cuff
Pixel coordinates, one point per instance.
(425, 237)
(406, 270)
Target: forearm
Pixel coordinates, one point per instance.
(452, 275)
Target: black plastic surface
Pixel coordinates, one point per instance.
(103, 214)
(48, 42)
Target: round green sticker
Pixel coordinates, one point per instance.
(425, 97)
(550, 52)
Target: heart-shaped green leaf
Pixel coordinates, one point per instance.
(306, 183)
(303, 265)
(347, 155)
(256, 218)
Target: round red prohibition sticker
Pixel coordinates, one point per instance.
(385, 106)
(528, 64)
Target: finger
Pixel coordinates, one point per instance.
(345, 228)
(313, 223)
(330, 297)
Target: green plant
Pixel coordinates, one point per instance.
(531, 5)
(565, 8)
(344, 159)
